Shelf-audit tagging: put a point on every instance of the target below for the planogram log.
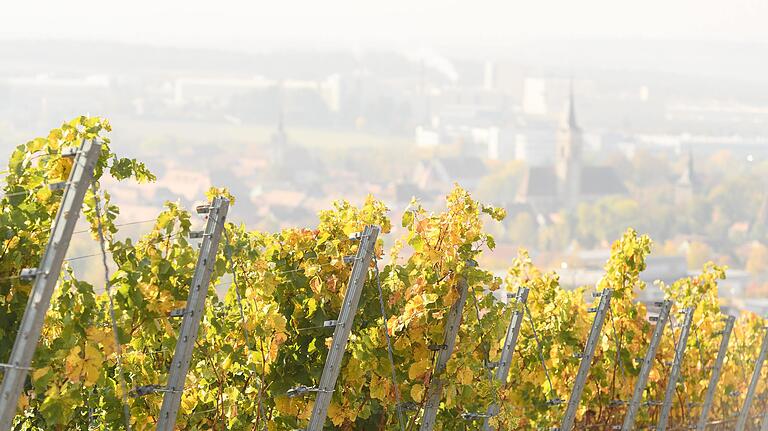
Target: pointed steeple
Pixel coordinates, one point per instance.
(572, 124)
(279, 139)
(568, 163)
(688, 177)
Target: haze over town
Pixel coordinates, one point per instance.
(579, 123)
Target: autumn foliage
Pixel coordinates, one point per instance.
(289, 282)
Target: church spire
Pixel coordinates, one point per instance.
(688, 177)
(572, 124)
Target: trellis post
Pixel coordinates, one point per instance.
(716, 370)
(362, 262)
(45, 279)
(645, 369)
(586, 358)
(744, 414)
(674, 374)
(505, 361)
(193, 313)
(452, 324)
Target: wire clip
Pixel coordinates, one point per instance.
(28, 274)
(330, 323)
(69, 152)
(145, 390)
(57, 186)
(468, 416)
(302, 390)
(408, 406)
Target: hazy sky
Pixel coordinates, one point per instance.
(352, 23)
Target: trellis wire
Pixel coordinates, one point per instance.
(618, 343)
(228, 256)
(28, 192)
(390, 352)
(540, 349)
(486, 360)
(108, 288)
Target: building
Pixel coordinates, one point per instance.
(687, 185)
(439, 173)
(569, 181)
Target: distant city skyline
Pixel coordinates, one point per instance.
(396, 23)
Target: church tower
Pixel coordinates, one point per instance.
(568, 162)
(278, 143)
(686, 186)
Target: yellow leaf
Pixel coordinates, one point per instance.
(92, 364)
(283, 404)
(378, 389)
(417, 392)
(418, 369)
(23, 402)
(336, 414)
(188, 403)
(40, 372)
(465, 376)
(315, 284)
(73, 366)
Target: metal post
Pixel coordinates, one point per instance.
(193, 313)
(744, 414)
(674, 374)
(704, 417)
(505, 361)
(45, 279)
(343, 327)
(452, 324)
(645, 369)
(586, 359)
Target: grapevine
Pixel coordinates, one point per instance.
(262, 346)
